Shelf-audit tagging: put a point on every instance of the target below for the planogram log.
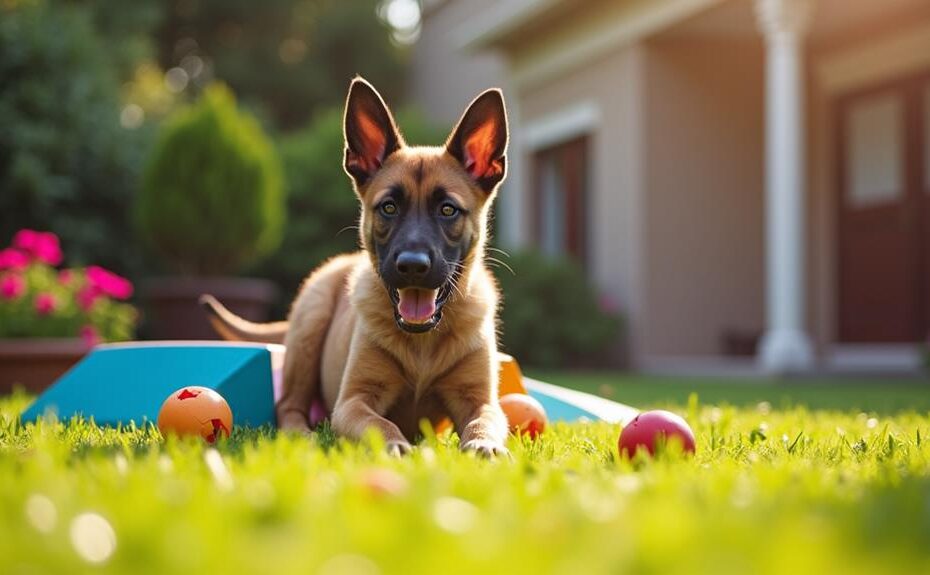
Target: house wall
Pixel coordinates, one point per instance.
(611, 86)
(704, 180)
(677, 148)
(445, 77)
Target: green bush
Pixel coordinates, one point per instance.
(322, 209)
(66, 164)
(551, 316)
(212, 199)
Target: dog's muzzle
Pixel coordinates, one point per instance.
(428, 325)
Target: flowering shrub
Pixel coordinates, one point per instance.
(39, 300)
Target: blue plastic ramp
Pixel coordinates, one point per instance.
(563, 404)
(119, 383)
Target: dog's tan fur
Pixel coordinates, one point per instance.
(344, 345)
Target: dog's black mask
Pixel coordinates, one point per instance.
(419, 254)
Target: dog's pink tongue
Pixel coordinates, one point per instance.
(417, 305)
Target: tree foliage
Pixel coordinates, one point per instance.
(287, 58)
(66, 164)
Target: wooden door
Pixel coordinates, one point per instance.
(883, 207)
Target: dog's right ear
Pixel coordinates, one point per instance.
(370, 133)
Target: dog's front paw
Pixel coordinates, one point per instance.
(398, 448)
(486, 448)
(294, 423)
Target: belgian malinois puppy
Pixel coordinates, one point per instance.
(404, 329)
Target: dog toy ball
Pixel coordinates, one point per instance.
(195, 410)
(652, 428)
(524, 414)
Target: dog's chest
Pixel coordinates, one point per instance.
(424, 361)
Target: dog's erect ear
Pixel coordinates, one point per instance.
(479, 141)
(370, 133)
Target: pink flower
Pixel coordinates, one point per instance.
(12, 286)
(25, 239)
(45, 303)
(65, 277)
(109, 283)
(89, 335)
(13, 259)
(87, 297)
(43, 246)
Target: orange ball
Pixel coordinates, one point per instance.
(524, 414)
(195, 410)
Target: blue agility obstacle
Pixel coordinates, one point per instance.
(121, 383)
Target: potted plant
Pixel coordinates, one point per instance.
(50, 317)
(211, 203)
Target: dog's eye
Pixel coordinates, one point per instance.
(389, 209)
(448, 210)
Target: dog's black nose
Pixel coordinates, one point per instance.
(413, 266)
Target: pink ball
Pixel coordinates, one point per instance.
(650, 428)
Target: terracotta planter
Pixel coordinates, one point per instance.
(35, 363)
(173, 311)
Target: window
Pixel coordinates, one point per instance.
(560, 175)
(873, 151)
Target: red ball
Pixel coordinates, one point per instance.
(650, 428)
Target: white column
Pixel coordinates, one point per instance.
(786, 346)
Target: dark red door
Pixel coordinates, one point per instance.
(884, 259)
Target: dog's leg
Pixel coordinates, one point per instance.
(372, 384)
(309, 319)
(301, 377)
(470, 394)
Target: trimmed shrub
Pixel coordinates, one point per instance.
(551, 316)
(211, 199)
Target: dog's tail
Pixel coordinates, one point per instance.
(232, 327)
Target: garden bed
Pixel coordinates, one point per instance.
(35, 363)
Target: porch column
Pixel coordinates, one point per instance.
(786, 346)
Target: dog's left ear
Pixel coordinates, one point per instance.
(370, 132)
(479, 141)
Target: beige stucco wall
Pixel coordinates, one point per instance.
(444, 76)
(703, 211)
(611, 84)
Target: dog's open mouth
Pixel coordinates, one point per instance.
(418, 310)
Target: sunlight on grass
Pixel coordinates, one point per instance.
(768, 492)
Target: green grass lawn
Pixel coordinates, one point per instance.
(771, 490)
(881, 396)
